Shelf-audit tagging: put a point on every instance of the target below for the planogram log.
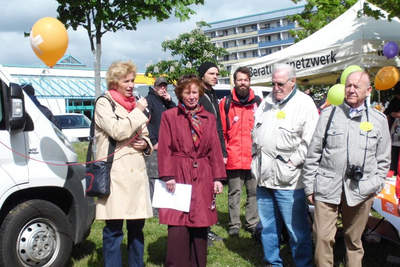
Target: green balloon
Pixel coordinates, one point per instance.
(347, 71)
(336, 94)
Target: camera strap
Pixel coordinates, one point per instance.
(366, 142)
(366, 136)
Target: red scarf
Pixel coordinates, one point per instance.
(129, 103)
(194, 122)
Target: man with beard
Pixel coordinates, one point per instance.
(237, 117)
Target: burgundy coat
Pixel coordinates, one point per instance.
(178, 159)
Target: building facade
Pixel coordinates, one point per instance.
(252, 36)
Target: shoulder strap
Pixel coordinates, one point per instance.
(227, 105)
(112, 142)
(258, 100)
(328, 125)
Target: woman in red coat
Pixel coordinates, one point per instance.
(189, 152)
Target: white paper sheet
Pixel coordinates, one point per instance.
(179, 200)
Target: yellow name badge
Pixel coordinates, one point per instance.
(366, 126)
(281, 115)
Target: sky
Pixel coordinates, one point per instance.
(142, 46)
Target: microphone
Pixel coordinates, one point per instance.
(137, 96)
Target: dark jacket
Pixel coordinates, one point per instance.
(178, 159)
(210, 103)
(156, 106)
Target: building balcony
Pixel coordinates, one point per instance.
(234, 61)
(233, 36)
(276, 43)
(240, 48)
(277, 29)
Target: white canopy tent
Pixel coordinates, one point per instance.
(350, 39)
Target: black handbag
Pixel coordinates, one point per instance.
(98, 172)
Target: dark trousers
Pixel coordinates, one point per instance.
(112, 239)
(395, 160)
(186, 246)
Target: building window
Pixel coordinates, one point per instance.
(213, 34)
(83, 106)
(266, 26)
(254, 40)
(225, 44)
(254, 27)
(225, 33)
(255, 53)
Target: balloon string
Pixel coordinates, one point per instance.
(74, 163)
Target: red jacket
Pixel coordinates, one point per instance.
(238, 136)
(178, 159)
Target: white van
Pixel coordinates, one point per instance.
(43, 207)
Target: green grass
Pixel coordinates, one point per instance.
(236, 252)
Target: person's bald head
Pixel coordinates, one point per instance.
(357, 88)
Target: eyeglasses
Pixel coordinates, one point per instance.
(280, 84)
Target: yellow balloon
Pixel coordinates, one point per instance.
(386, 78)
(336, 94)
(347, 71)
(49, 40)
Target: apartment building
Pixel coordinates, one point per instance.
(252, 36)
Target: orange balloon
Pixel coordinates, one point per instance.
(49, 40)
(386, 78)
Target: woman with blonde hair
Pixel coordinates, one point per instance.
(120, 117)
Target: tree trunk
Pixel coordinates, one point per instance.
(97, 68)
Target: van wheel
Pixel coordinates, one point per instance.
(35, 233)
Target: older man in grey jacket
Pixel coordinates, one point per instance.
(345, 167)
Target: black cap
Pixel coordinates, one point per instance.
(160, 80)
(204, 67)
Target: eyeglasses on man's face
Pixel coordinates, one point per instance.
(279, 84)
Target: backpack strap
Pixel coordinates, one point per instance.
(258, 100)
(328, 125)
(227, 105)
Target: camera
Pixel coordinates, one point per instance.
(355, 172)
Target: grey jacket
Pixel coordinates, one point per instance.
(326, 176)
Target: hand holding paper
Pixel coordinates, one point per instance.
(178, 200)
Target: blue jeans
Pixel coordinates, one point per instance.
(277, 207)
(112, 238)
